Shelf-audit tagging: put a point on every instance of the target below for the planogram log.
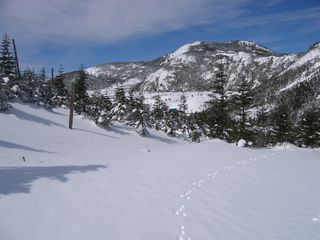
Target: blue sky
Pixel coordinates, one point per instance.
(71, 32)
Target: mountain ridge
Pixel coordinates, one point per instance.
(193, 66)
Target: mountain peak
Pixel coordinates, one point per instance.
(315, 46)
(251, 45)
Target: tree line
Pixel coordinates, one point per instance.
(226, 116)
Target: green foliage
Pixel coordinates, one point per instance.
(59, 90)
(81, 97)
(7, 60)
(139, 115)
(217, 108)
(158, 113)
(120, 105)
(309, 128)
(99, 109)
(243, 102)
(282, 124)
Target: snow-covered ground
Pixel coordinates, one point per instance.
(90, 183)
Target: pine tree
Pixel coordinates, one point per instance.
(46, 95)
(309, 128)
(99, 108)
(243, 102)
(59, 88)
(139, 116)
(262, 128)
(282, 124)
(4, 105)
(171, 122)
(183, 121)
(42, 74)
(217, 108)
(195, 129)
(29, 87)
(7, 60)
(81, 95)
(158, 113)
(120, 105)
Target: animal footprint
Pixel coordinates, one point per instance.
(180, 211)
(316, 219)
(213, 175)
(229, 168)
(198, 184)
(186, 195)
(183, 234)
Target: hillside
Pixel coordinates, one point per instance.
(92, 183)
(192, 68)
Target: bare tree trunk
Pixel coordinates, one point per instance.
(71, 107)
(16, 58)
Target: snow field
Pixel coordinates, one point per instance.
(90, 183)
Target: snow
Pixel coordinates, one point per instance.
(94, 71)
(5, 79)
(243, 57)
(160, 77)
(91, 183)
(241, 143)
(311, 56)
(253, 44)
(298, 81)
(184, 49)
(180, 55)
(195, 100)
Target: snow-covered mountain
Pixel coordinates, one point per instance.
(192, 68)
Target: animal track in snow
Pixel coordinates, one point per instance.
(183, 234)
(198, 184)
(316, 219)
(180, 211)
(186, 195)
(229, 167)
(212, 175)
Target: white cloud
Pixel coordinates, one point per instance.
(107, 20)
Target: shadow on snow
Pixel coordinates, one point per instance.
(19, 179)
(33, 118)
(96, 133)
(6, 144)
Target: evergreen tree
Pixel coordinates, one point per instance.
(158, 113)
(171, 122)
(243, 101)
(42, 74)
(59, 89)
(120, 105)
(46, 94)
(309, 128)
(195, 129)
(139, 116)
(99, 108)
(4, 105)
(217, 108)
(7, 61)
(29, 87)
(183, 121)
(262, 128)
(80, 90)
(282, 124)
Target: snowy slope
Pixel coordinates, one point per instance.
(90, 183)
